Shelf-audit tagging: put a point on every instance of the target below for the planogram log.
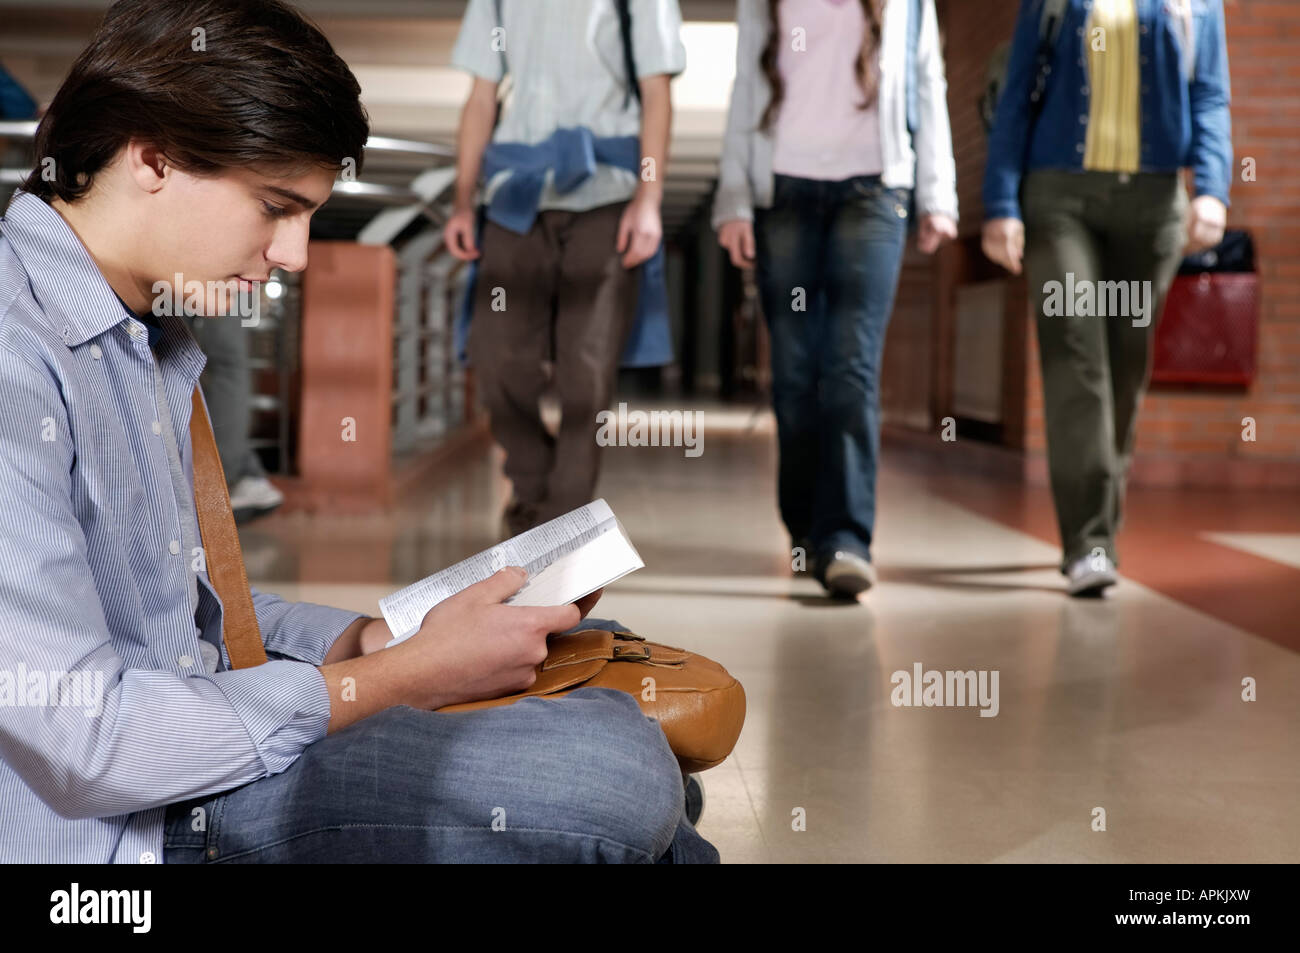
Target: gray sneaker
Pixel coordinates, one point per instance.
(694, 789)
(253, 496)
(1089, 575)
(848, 574)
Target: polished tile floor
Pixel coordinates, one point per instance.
(1129, 705)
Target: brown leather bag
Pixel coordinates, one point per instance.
(700, 707)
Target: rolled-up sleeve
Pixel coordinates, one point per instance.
(128, 739)
(300, 630)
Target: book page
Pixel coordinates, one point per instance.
(556, 556)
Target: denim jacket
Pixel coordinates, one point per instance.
(915, 137)
(1185, 120)
(572, 154)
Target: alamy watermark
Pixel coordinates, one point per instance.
(947, 689)
(1099, 299)
(21, 687)
(130, 907)
(653, 428)
(233, 298)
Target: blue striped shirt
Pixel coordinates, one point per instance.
(107, 710)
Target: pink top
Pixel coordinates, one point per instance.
(819, 132)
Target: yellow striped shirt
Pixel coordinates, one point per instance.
(1114, 142)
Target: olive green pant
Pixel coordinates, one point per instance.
(1101, 250)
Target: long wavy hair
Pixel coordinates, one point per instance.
(768, 60)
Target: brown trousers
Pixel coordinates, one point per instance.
(559, 294)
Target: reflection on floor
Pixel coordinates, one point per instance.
(1130, 704)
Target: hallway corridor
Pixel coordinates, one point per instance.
(1131, 703)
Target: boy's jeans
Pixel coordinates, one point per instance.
(584, 778)
(828, 257)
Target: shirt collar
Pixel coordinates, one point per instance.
(151, 325)
(75, 299)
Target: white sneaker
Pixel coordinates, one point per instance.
(848, 574)
(255, 493)
(1089, 575)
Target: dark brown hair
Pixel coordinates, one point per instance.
(214, 84)
(769, 63)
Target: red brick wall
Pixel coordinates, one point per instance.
(1185, 435)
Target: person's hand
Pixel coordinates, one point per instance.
(639, 231)
(1206, 219)
(1003, 241)
(588, 602)
(471, 646)
(458, 233)
(737, 237)
(935, 230)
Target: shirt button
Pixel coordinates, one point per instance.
(95, 352)
(1079, 147)
(174, 546)
(1144, 61)
(1083, 120)
(156, 427)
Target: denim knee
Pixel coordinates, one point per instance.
(640, 774)
(851, 404)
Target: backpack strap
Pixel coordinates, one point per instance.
(624, 8)
(505, 65)
(914, 14)
(1050, 21)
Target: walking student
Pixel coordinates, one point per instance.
(1105, 103)
(569, 260)
(837, 134)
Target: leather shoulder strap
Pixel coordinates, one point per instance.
(224, 558)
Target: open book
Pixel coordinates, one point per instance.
(566, 559)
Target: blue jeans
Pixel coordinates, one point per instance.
(828, 256)
(583, 778)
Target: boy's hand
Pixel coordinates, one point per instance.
(1003, 241)
(588, 602)
(1207, 218)
(471, 646)
(458, 233)
(639, 231)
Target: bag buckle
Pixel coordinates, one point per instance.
(631, 653)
